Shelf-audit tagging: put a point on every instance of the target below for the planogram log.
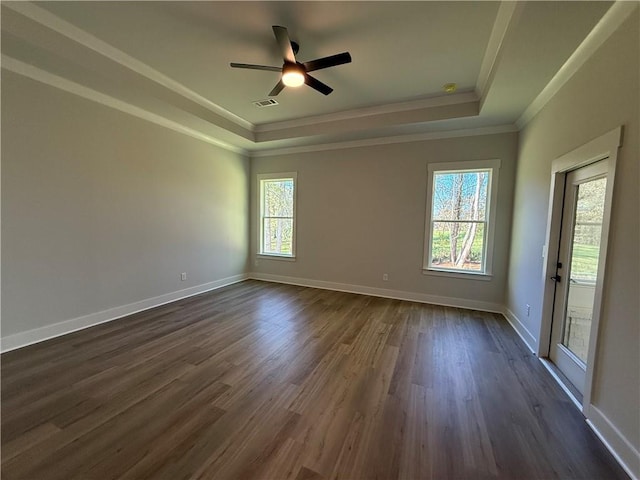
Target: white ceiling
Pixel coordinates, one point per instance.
(170, 61)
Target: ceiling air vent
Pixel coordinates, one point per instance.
(270, 102)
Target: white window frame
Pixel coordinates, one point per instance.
(261, 177)
(490, 217)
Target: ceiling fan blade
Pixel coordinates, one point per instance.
(327, 62)
(317, 85)
(284, 42)
(277, 89)
(256, 67)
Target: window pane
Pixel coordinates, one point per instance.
(588, 230)
(587, 234)
(277, 236)
(457, 245)
(278, 198)
(460, 196)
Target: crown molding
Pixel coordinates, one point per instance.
(57, 24)
(504, 26)
(359, 113)
(418, 137)
(607, 25)
(42, 76)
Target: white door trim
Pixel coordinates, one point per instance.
(604, 148)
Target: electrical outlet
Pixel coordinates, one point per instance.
(385, 277)
(528, 309)
(183, 276)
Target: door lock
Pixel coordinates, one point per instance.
(556, 278)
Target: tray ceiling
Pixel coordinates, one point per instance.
(171, 60)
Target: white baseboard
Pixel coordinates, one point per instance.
(524, 333)
(622, 450)
(382, 292)
(37, 335)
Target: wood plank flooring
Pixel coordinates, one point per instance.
(271, 381)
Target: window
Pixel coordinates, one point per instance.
(460, 217)
(277, 214)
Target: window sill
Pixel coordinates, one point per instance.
(270, 256)
(466, 275)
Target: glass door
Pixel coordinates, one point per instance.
(577, 270)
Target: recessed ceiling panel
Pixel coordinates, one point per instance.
(400, 50)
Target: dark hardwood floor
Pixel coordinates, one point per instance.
(270, 381)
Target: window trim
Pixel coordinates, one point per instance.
(260, 177)
(490, 217)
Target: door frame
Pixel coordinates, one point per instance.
(603, 148)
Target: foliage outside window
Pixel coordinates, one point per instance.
(588, 231)
(277, 214)
(459, 217)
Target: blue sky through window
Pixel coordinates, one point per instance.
(447, 186)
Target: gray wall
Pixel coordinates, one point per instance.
(602, 95)
(361, 213)
(101, 209)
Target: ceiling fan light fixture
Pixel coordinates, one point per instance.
(292, 75)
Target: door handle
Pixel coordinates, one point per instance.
(556, 278)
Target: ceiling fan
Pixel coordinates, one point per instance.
(293, 72)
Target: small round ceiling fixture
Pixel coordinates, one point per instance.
(449, 87)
